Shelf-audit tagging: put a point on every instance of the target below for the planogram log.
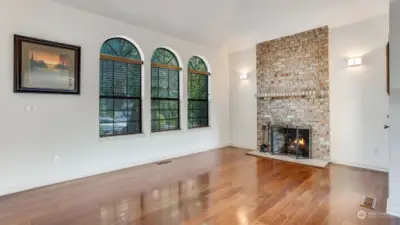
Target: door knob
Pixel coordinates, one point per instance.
(386, 126)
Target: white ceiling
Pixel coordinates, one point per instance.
(233, 24)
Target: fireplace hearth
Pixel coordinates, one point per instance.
(290, 140)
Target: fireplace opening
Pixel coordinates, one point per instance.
(293, 141)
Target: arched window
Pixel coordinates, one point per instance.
(120, 88)
(164, 91)
(197, 93)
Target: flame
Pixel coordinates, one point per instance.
(301, 141)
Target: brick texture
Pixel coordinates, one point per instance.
(293, 85)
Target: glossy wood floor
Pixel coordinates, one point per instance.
(217, 187)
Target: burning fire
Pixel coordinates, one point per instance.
(301, 141)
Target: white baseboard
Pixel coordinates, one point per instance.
(392, 209)
(362, 166)
(243, 146)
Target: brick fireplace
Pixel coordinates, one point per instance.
(293, 89)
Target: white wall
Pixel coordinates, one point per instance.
(393, 206)
(359, 103)
(243, 105)
(67, 126)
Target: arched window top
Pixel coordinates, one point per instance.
(197, 66)
(164, 57)
(196, 63)
(120, 47)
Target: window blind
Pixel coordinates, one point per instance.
(120, 91)
(198, 109)
(165, 111)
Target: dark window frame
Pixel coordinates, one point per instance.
(127, 62)
(168, 68)
(194, 70)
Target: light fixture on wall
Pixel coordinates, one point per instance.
(244, 76)
(351, 62)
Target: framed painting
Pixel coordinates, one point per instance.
(42, 66)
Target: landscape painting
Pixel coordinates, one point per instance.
(46, 67)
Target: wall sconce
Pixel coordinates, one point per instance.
(354, 62)
(244, 76)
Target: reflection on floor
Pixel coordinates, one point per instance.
(224, 187)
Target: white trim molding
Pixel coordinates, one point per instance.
(362, 166)
(242, 146)
(392, 209)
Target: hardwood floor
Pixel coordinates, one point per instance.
(224, 187)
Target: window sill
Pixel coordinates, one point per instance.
(154, 133)
(122, 136)
(200, 128)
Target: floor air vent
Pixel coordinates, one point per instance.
(163, 162)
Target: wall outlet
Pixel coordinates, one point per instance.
(31, 108)
(56, 159)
